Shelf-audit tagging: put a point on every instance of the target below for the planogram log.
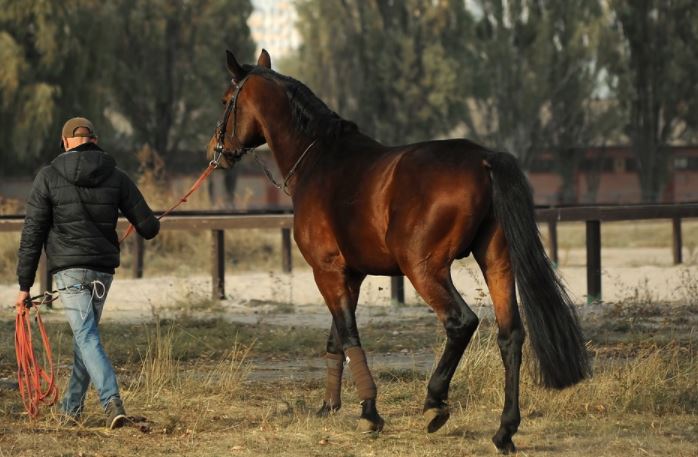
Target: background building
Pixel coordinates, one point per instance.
(273, 27)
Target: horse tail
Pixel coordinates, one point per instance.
(551, 319)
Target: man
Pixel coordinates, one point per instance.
(72, 213)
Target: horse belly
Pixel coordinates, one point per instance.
(369, 254)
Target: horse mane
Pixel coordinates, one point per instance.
(310, 115)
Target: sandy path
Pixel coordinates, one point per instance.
(628, 274)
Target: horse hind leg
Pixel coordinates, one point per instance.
(460, 323)
(492, 254)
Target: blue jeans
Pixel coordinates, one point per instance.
(83, 299)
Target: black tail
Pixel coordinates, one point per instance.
(550, 316)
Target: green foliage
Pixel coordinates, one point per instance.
(510, 92)
(395, 68)
(167, 74)
(48, 73)
(577, 117)
(519, 75)
(145, 71)
(656, 67)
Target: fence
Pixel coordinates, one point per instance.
(218, 222)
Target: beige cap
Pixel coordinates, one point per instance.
(75, 123)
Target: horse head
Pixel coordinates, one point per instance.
(240, 128)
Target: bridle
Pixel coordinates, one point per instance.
(237, 154)
(230, 107)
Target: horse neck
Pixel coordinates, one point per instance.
(286, 145)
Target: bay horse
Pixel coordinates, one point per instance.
(363, 208)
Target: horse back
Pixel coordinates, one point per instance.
(361, 205)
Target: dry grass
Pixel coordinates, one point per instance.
(629, 234)
(159, 369)
(9, 243)
(195, 383)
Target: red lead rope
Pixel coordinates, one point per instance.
(207, 172)
(31, 375)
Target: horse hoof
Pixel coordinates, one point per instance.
(435, 418)
(504, 444)
(326, 409)
(370, 426)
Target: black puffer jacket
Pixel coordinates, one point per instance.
(73, 209)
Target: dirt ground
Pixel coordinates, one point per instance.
(244, 376)
(627, 274)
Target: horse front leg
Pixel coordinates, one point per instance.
(334, 360)
(340, 290)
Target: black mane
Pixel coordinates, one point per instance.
(310, 114)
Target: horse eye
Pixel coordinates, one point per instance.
(223, 101)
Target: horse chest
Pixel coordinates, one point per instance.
(331, 241)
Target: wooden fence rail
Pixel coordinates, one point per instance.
(218, 222)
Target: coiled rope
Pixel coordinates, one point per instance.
(37, 384)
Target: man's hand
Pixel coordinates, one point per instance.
(21, 297)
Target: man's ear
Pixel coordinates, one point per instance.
(233, 66)
(264, 59)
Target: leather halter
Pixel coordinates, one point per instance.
(230, 107)
(236, 154)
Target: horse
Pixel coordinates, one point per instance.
(363, 208)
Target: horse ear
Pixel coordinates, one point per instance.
(233, 66)
(264, 59)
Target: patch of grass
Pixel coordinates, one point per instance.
(179, 252)
(9, 243)
(159, 366)
(401, 335)
(189, 379)
(689, 287)
(399, 375)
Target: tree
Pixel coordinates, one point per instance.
(395, 68)
(168, 71)
(575, 32)
(509, 89)
(49, 73)
(656, 84)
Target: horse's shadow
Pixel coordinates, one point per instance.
(467, 434)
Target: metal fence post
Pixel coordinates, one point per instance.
(593, 236)
(552, 235)
(138, 254)
(218, 265)
(286, 259)
(677, 242)
(397, 290)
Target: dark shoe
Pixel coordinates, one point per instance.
(116, 415)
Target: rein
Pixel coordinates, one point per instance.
(212, 165)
